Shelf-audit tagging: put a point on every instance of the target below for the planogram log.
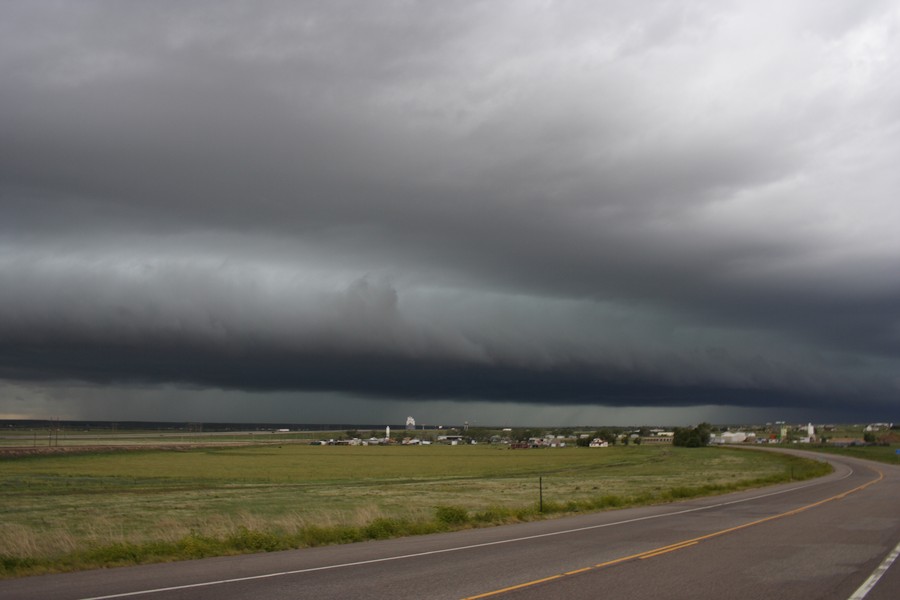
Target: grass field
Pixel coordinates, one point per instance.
(64, 512)
(886, 454)
(68, 438)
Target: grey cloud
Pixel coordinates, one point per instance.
(247, 326)
(584, 203)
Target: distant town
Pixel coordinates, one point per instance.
(58, 432)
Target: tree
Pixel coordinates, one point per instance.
(704, 431)
(527, 434)
(692, 437)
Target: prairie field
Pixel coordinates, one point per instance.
(80, 510)
(889, 454)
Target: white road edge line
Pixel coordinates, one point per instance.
(867, 586)
(458, 548)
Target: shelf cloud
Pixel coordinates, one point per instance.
(576, 204)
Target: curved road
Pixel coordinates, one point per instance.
(831, 538)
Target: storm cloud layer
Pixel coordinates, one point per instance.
(595, 203)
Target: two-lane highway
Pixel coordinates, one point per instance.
(817, 539)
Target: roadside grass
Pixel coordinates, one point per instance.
(885, 454)
(79, 511)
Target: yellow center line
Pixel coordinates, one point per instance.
(576, 571)
(679, 545)
(520, 586)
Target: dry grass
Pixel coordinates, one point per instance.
(64, 512)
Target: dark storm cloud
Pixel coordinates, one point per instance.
(580, 202)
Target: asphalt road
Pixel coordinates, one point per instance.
(822, 539)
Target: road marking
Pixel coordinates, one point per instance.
(469, 547)
(667, 550)
(694, 541)
(867, 586)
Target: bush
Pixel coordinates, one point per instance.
(381, 529)
(322, 536)
(116, 554)
(452, 515)
(493, 514)
(198, 546)
(608, 501)
(10, 566)
(682, 492)
(255, 541)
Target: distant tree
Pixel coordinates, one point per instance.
(704, 431)
(480, 434)
(791, 436)
(527, 434)
(692, 437)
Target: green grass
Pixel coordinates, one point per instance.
(884, 454)
(66, 512)
(70, 438)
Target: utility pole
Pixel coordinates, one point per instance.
(541, 494)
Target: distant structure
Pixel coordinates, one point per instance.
(811, 432)
(410, 423)
(387, 432)
(879, 426)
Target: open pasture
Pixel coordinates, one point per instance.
(889, 454)
(76, 510)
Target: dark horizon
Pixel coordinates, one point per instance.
(213, 427)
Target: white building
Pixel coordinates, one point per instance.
(734, 437)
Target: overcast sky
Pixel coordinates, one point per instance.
(512, 212)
